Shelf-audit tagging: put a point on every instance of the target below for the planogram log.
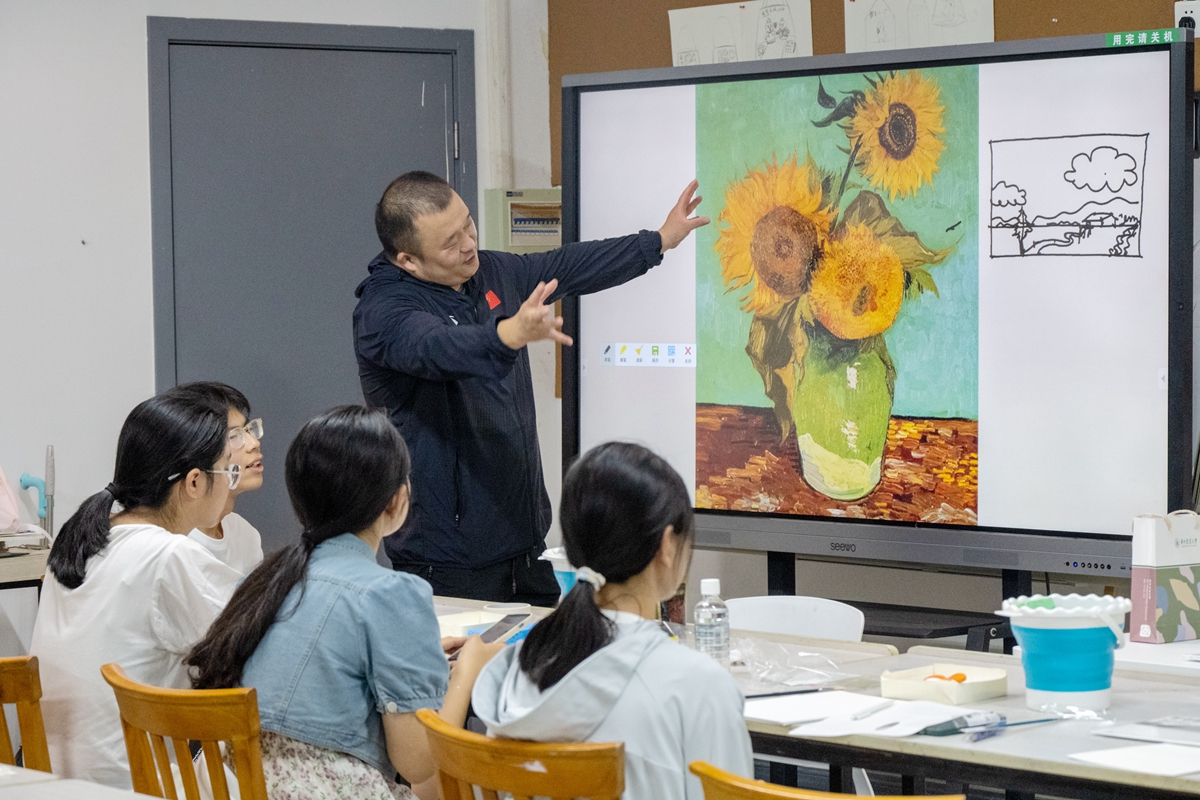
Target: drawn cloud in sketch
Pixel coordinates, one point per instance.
(1092, 207)
(1104, 167)
(1005, 194)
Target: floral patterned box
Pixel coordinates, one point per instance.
(1166, 560)
(1166, 605)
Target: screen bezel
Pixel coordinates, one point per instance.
(987, 547)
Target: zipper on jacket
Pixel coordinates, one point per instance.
(457, 490)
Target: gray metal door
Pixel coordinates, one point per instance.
(277, 153)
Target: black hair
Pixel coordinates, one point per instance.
(162, 440)
(617, 501)
(343, 469)
(414, 194)
(221, 394)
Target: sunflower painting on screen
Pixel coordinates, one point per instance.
(837, 299)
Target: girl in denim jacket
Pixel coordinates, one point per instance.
(342, 651)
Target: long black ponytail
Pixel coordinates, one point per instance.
(617, 502)
(342, 470)
(163, 439)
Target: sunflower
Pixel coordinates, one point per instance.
(773, 233)
(897, 129)
(857, 290)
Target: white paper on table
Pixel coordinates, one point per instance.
(1143, 732)
(752, 31)
(903, 718)
(794, 709)
(1171, 760)
(896, 24)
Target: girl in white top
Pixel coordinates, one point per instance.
(599, 669)
(233, 540)
(126, 585)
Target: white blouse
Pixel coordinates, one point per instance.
(146, 599)
(240, 547)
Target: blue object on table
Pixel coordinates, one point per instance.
(1066, 659)
(28, 481)
(519, 635)
(566, 580)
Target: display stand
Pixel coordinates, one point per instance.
(914, 622)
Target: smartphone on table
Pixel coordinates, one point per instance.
(498, 631)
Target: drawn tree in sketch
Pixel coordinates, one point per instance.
(1068, 195)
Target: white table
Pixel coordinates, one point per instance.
(1023, 760)
(840, 653)
(18, 776)
(66, 790)
(1170, 658)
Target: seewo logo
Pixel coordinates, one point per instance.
(844, 547)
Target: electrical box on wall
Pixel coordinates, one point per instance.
(1186, 13)
(522, 220)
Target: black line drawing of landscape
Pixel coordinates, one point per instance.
(1078, 195)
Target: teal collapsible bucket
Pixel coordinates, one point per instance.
(1067, 645)
(564, 573)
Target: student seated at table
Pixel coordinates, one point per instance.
(342, 651)
(124, 583)
(599, 668)
(233, 540)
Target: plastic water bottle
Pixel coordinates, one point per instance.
(712, 622)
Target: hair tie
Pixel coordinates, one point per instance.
(112, 489)
(589, 575)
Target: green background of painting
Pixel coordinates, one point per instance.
(934, 340)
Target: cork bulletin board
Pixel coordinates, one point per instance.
(590, 36)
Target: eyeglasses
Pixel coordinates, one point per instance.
(237, 436)
(234, 472)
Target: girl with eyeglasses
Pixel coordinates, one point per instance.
(125, 584)
(233, 539)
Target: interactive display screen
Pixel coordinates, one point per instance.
(934, 296)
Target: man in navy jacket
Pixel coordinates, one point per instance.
(439, 333)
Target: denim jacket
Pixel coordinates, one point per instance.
(352, 642)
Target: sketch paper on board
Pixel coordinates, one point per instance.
(1068, 195)
(740, 32)
(896, 24)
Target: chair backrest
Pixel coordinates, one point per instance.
(21, 684)
(522, 769)
(721, 785)
(150, 715)
(814, 617)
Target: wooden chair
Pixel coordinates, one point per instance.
(522, 769)
(150, 715)
(20, 684)
(721, 785)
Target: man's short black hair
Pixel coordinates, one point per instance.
(414, 194)
(213, 393)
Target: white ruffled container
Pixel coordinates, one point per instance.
(1067, 644)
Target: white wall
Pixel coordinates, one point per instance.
(76, 314)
